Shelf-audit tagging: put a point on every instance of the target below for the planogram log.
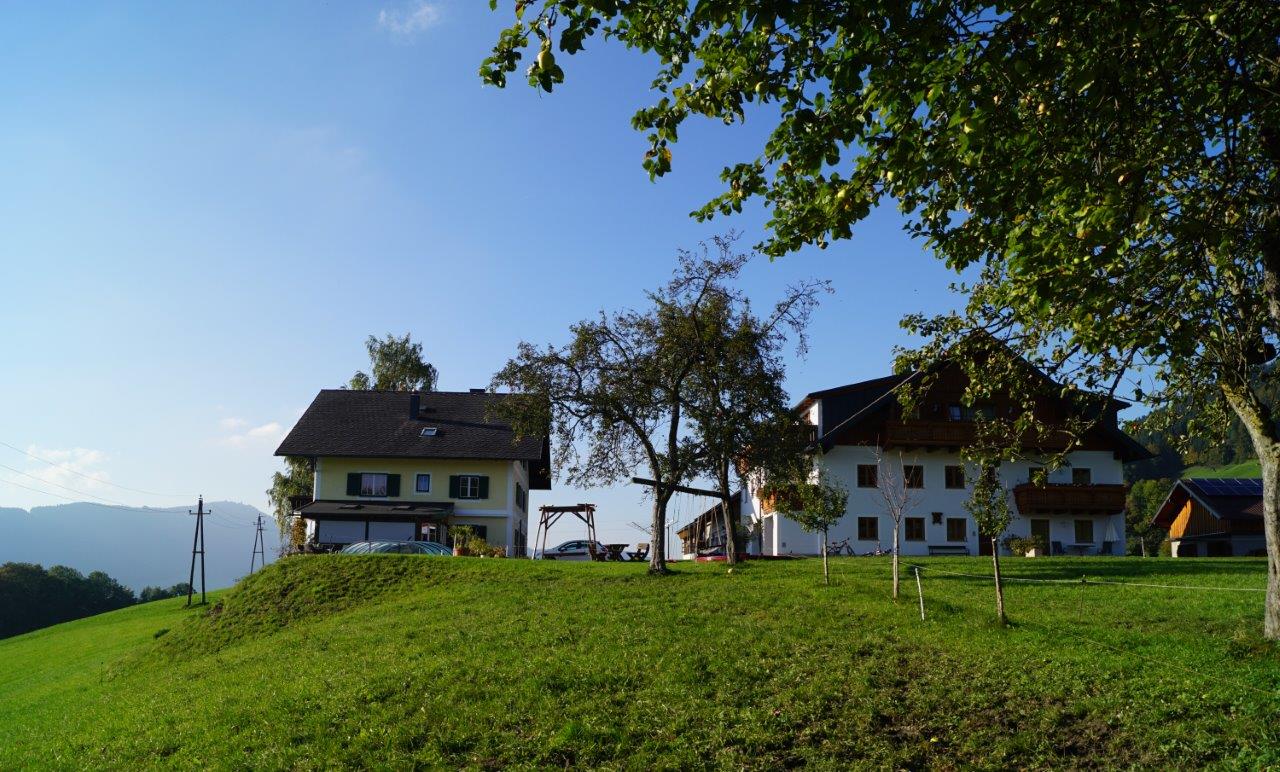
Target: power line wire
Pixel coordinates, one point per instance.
(64, 487)
(89, 477)
(1082, 580)
(227, 521)
(145, 510)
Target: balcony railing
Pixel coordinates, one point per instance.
(1052, 499)
(929, 433)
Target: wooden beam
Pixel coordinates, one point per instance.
(680, 488)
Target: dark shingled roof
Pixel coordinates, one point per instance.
(846, 406)
(378, 424)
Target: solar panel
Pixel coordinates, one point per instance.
(1228, 486)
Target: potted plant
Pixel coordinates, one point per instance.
(462, 538)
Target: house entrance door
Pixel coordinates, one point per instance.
(1040, 529)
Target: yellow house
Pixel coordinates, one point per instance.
(402, 466)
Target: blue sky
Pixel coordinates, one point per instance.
(208, 207)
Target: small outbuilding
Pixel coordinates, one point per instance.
(1213, 517)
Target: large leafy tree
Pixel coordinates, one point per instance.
(31, 597)
(735, 404)
(297, 479)
(1143, 499)
(1108, 171)
(396, 364)
(688, 385)
(611, 398)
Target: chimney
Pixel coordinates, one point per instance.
(415, 405)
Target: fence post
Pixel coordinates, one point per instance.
(919, 591)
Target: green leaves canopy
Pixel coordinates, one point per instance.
(815, 505)
(397, 365)
(1110, 168)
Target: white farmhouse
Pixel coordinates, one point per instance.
(865, 442)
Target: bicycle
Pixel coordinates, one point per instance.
(836, 547)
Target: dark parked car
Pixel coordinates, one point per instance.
(570, 550)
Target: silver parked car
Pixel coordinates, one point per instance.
(402, 547)
(570, 550)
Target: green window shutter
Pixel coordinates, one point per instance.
(353, 483)
(484, 487)
(393, 485)
(453, 486)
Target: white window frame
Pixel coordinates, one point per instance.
(417, 482)
(369, 485)
(469, 486)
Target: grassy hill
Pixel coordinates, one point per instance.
(1248, 468)
(395, 660)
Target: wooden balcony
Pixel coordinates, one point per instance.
(953, 434)
(298, 502)
(929, 434)
(1069, 499)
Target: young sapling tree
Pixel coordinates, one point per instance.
(815, 506)
(898, 483)
(988, 505)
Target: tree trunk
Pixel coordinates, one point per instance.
(895, 562)
(1260, 424)
(826, 573)
(730, 529)
(658, 549)
(995, 563)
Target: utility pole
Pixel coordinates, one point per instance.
(197, 548)
(258, 545)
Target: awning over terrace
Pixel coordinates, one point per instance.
(376, 510)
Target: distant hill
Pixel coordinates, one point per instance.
(1229, 456)
(1249, 468)
(137, 548)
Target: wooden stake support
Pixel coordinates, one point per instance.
(919, 591)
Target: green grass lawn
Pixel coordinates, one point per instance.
(401, 661)
(1243, 469)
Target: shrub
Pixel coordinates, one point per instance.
(1021, 545)
(465, 541)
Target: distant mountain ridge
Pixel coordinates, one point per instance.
(135, 547)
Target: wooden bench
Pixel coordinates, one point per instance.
(948, 549)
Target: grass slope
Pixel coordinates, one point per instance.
(401, 661)
(1243, 469)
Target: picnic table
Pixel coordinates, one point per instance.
(1080, 549)
(615, 551)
